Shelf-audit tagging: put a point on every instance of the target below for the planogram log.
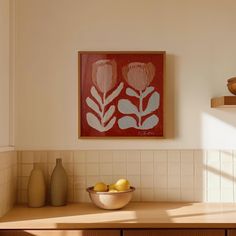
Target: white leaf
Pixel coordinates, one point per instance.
(147, 91)
(110, 124)
(95, 94)
(127, 122)
(94, 122)
(127, 107)
(150, 122)
(93, 105)
(108, 114)
(114, 94)
(131, 93)
(153, 103)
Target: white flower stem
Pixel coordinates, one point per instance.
(140, 108)
(103, 108)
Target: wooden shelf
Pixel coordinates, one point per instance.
(224, 101)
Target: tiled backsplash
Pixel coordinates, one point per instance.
(8, 174)
(165, 175)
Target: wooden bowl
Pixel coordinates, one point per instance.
(110, 200)
(232, 80)
(232, 85)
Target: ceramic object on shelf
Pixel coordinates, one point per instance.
(58, 185)
(36, 191)
(232, 85)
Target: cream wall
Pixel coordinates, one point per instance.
(198, 36)
(4, 73)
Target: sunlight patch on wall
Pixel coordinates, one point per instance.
(216, 133)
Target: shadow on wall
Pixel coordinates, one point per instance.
(170, 98)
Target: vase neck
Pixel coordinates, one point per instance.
(37, 165)
(58, 161)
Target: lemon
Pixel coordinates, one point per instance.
(112, 187)
(100, 187)
(113, 191)
(122, 185)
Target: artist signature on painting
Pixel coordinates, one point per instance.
(145, 133)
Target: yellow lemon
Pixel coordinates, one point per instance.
(100, 187)
(113, 191)
(112, 187)
(122, 185)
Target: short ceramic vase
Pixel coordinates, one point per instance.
(36, 187)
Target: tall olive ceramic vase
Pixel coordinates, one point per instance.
(36, 187)
(58, 186)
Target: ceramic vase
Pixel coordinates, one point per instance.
(36, 187)
(58, 186)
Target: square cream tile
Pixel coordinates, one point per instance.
(79, 157)
(147, 181)
(173, 181)
(92, 169)
(67, 156)
(173, 194)
(119, 168)
(133, 168)
(160, 156)
(105, 156)
(161, 168)
(79, 182)
(27, 157)
(160, 194)
(133, 156)
(186, 156)
(147, 156)
(161, 181)
(105, 168)
(92, 156)
(119, 156)
(147, 168)
(79, 169)
(173, 156)
(147, 194)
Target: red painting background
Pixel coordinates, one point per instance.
(86, 59)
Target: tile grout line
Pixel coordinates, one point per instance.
(73, 175)
(194, 191)
(153, 179)
(206, 168)
(153, 174)
(86, 176)
(180, 175)
(193, 170)
(140, 178)
(232, 171)
(167, 194)
(220, 163)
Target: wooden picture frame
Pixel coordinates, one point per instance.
(121, 94)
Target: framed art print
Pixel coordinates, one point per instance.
(121, 94)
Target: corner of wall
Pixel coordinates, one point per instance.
(8, 180)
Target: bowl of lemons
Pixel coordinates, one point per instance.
(112, 196)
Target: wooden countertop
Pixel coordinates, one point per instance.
(135, 215)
